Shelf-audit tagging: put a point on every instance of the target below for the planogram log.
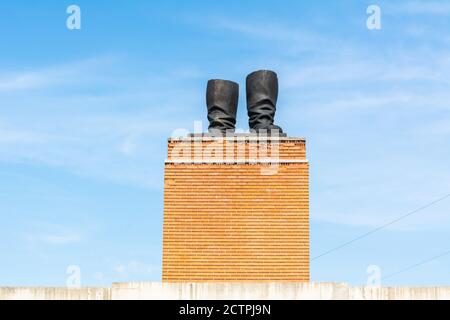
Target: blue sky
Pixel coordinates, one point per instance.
(85, 116)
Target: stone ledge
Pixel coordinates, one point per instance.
(249, 161)
(227, 291)
(237, 138)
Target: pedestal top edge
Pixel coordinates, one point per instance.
(239, 137)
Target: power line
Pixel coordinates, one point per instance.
(416, 265)
(381, 227)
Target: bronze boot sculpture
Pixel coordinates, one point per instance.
(222, 101)
(262, 95)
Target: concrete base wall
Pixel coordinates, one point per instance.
(40, 293)
(227, 291)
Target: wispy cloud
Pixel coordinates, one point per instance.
(269, 30)
(363, 107)
(21, 81)
(51, 234)
(69, 73)
(12, 136)
(290, 39)
(436, 8)
(118, 133)
(136, 268)
(110, 134)
(439, 128)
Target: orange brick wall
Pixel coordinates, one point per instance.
(233, 222)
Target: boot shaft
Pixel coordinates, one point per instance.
(262, 96)
(222, 101)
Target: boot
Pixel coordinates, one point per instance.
(222, 100)
(262, 95)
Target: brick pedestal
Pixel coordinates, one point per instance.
(236, 209)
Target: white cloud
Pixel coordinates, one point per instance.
(435, 128)
(99, 276)
(110, 135)
(136, 268)
(119, 135)
(12, 136)
(64, 74)
(267, 30)
(129, 145)
(360, 106)
(21, 81)
(63, 238)
(121, 269)
(291, 38)
(52, 234)
(418, 7)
